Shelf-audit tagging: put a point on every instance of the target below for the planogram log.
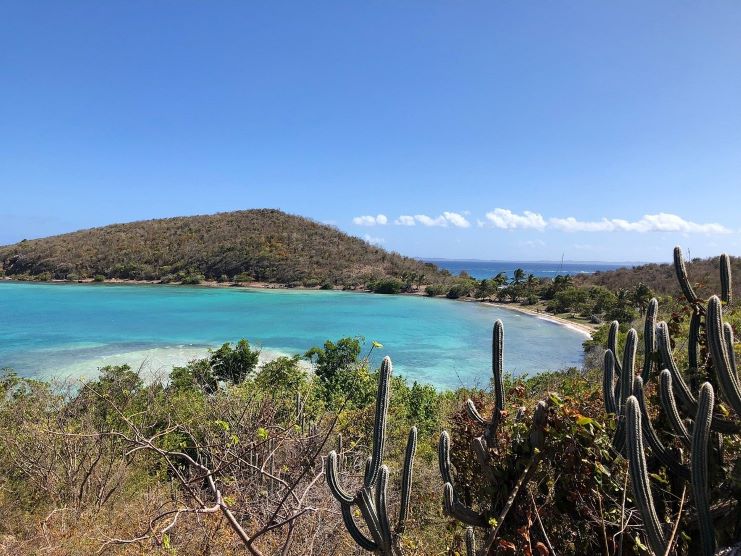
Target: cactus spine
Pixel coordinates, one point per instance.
(372, 497)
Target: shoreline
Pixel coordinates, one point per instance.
(584, 329)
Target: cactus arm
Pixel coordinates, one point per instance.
(497, 371)
(368, 510)
(681, 270)
(333, 481)
(666, 394)
(443, 457)
(473, 413)
(649, 338)
(379, 428)
(627, 379)
(478, 445)
(726, 285)
(628, 371)
(470, 542)
(686, 399)
(356, 534)
(639, 477)
(451, 505)
(382, 508)
(406, 480)
(728, 337)
(612, 341)
(608, 379)
(700, 440)
(454, 508)
(664, 456)
(497, 363)
(692, 357)
(718, 340)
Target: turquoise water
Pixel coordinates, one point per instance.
(67, 330)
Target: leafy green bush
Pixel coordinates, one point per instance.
(234, 364)
(433, 290)
(191, 279)
(386, 285)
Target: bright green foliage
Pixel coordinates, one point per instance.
(234, 364)
(195, 375)
(334, 356)
(386, 285)
(283, 375)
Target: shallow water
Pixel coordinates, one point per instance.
(62, 330)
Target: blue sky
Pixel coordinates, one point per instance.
(501, 130)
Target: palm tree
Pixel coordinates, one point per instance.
(519, 275)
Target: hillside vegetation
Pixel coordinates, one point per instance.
(243, 246)
(662, 279)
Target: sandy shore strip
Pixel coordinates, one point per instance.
(584, 329)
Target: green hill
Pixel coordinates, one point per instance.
(261, 245)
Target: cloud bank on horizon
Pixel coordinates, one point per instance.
(505, 219)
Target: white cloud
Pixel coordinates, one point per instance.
(505, 219)
(373, 240)
(429, 221)
(444, 220)
(661, 222)
(456, 219)
(379, 220)
(404, 220)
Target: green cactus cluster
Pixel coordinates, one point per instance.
(488, 518)
(698, 422)
(372, 498)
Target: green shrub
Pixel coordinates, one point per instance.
(190, 279)
(234, 364)
(98, 278)
(386, 285)
(434, 290)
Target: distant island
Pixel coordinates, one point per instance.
(262, 245)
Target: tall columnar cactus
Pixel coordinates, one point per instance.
(615, 403)
(371, 499)
(720, 342)
(692, 419)
(639, 477)
(492, 518)
(700, 439)
(649, 339)
(726, 288)
(497, 371)
(681, 271)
